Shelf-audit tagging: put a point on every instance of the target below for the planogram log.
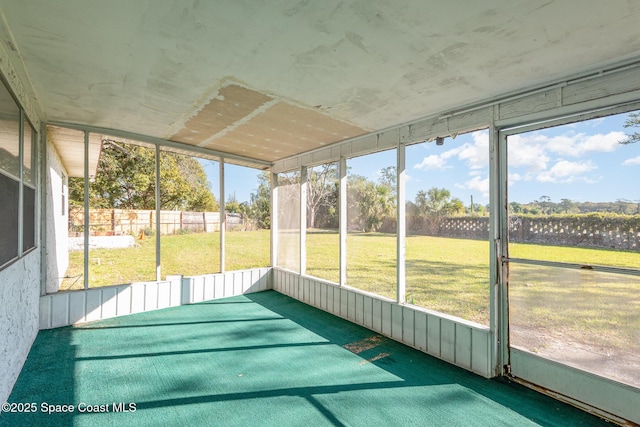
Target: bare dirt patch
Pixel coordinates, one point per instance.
(615, 363)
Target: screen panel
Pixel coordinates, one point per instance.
(371, 223)
(447, 226)
(574, 245)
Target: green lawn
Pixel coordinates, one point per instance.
(187, 254)
(449, 275)
(550, 304)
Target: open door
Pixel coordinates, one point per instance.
(573, 282)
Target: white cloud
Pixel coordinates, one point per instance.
(528, 152)
(579, 144)
(477, 183)
(476, 154)
(565, 172)
(632, 161)
(515, 177)
(530, 155)
(432, 162)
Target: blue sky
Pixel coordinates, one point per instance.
(239, 181)
(581, 162)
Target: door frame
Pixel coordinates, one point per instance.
(597, 394)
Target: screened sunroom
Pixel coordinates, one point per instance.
(343, 213)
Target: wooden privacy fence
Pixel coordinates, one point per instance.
(118, 222)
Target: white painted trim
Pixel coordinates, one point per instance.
(498, 234)
(457, 341)
(274, 219)
(342, 223)
(589, 391)
(157, 213)
(304, 185)
(223, 216)
(86, 213)
(401, 222)
(73, 307)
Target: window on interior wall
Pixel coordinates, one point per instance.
(288, 212)
(10, 179)
(248, 217)
(574, 244)
(447, 226)
(323, 238)
(371, 223)
(29, 187)
(190, 215)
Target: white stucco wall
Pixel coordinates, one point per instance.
(57, 223)
(19, 307)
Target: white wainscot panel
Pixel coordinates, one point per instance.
(67, 308)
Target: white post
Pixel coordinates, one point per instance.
(304, 184)
(343, 220)
(158, 225)
(499, 308)
(274, 220)
(223, 217)
(86, 210)
(401, 225)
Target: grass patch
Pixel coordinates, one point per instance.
(443, 274)
(587, 256)
(550, 307)
(186, 254)
(598, 308)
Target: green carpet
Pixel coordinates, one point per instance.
(259, 359)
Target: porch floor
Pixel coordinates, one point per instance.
(259, 359)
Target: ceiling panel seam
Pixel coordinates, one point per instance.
(164, 143)
(233, 126)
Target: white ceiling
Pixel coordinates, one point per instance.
(269, 79)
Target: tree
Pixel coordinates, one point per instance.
(259, 209)
(389, 178)
(567, 205)
(435, 202)
(515, 208)
(184, 184)
(545, 204)
(456, 206)
(322, 193)
(125, 179)
(234, 206)
(369, 203)
(633, 120)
